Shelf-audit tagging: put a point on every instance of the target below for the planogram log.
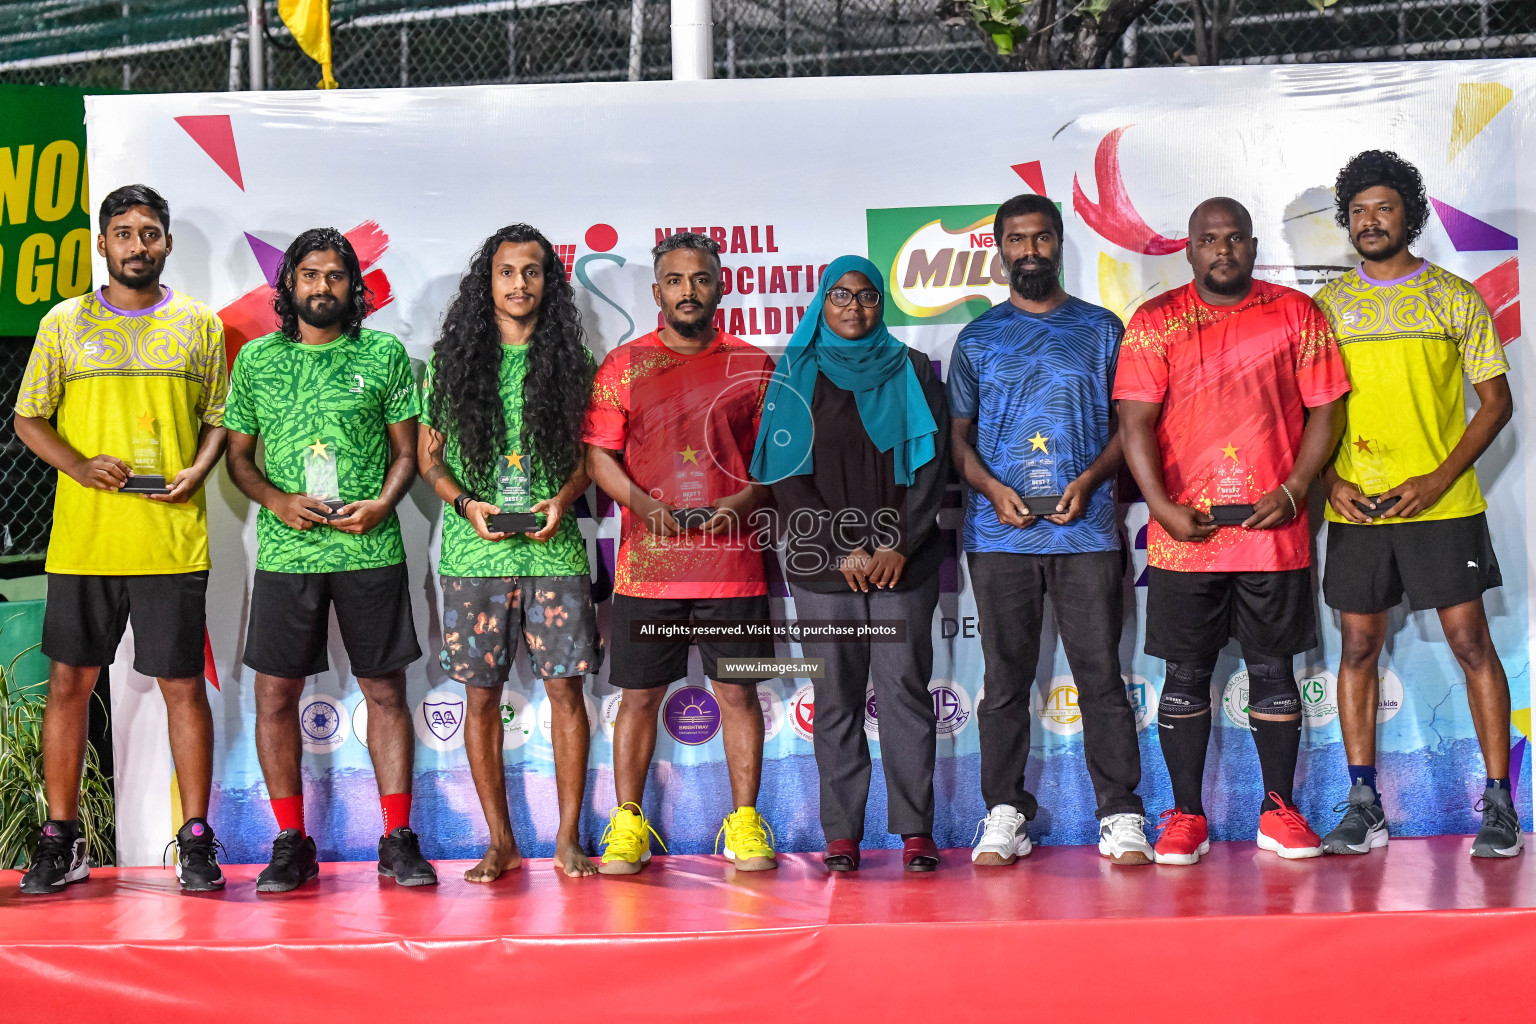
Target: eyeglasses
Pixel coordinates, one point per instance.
(868, 298)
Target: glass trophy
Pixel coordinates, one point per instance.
(514, 494)
(1229, 494)
(1041, 487)
(1371, 474)
(690, 488)
(148, 461)
(320, 479)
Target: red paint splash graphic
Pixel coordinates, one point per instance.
(1500, 289)
(251, 315)
(1113, 216)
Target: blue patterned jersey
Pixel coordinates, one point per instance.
(1038, 387)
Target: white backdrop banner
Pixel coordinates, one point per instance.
(788, 174)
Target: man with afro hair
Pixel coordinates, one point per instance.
(1406, 515)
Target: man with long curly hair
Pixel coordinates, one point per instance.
(336, 406)
(1405, 513)
(500, 433)
(670, 433)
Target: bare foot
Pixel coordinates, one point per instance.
(496, 861)
(570, 859)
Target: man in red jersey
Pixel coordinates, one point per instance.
(1214, 383)
(670, 433)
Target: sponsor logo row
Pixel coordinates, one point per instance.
(691, 715)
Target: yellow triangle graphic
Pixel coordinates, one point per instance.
(1117, 286)
(1521, 720)
(1477, 103)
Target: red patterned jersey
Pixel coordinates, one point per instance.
(1233, 382)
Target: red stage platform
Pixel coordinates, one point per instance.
(1419, 932)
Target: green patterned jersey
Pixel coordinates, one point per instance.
(322, 412)
(520, 483)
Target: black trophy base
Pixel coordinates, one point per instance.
(1381, 509)
(514, 522)
(335, 505)
(692, 518)
(1041, 504)
(1231, 515)
(145, 483)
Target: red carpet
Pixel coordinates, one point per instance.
(1420, 932)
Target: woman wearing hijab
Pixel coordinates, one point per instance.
(854, 444)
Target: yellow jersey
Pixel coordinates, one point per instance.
(1406, 346)
(137, 384)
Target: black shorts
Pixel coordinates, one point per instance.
(647, 664)
(1438, 564)
(291, 614)
(85, 616)
(1192, 615)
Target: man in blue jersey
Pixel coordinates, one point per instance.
(1034, 436)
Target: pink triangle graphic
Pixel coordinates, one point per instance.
(1468, 234)
(269, 257)
(216, 136)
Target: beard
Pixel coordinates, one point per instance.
(1386, 247)
(136, 276)
(692, 329)
(1033, 278)
(325, 316)
(1234, 286)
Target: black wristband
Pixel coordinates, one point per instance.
(460, 502)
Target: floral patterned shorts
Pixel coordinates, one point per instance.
(554, 614)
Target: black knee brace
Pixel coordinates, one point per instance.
(1187, 688)
(1271, 686)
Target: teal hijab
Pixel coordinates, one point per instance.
(876, 368)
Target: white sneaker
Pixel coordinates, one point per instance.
(1122, 840)
(1003, 836)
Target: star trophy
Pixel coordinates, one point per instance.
(692, 509)
(1227, 505)
(1371, 471)
(148, 475)
(1042, 493)
(516, 498)
(320, 477)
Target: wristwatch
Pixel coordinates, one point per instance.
(461, 501)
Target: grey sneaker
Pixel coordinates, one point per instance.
(1363, 827)
(1500, 835)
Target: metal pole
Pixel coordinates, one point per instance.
(405, 56)
(235, 55)
(511, 50)
(693, 41)
(256, 39)
(636, 36)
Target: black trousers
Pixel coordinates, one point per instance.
(1086, 593)
(900, 673)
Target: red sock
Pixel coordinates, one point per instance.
(289, 811)
(397, 811)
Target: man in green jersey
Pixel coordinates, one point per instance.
(501, 434)
(335, 405)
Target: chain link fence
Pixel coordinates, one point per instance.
(26, 481)
(198, 45)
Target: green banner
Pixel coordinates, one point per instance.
(45, 227)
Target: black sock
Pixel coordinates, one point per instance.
(1278, 744)
(1184, 742)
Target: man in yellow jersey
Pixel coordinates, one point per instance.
(1405, 511)
(135, 374)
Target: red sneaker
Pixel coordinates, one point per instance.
(841, 855)
(1285, 832)
(1184, 838)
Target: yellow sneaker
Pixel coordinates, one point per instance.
(627, 841)
(748, 840)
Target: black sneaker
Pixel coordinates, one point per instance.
(293, 862)
(197, 857)
(60, 859)
(1500, 835)
(1363, 827)
(400, 858)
